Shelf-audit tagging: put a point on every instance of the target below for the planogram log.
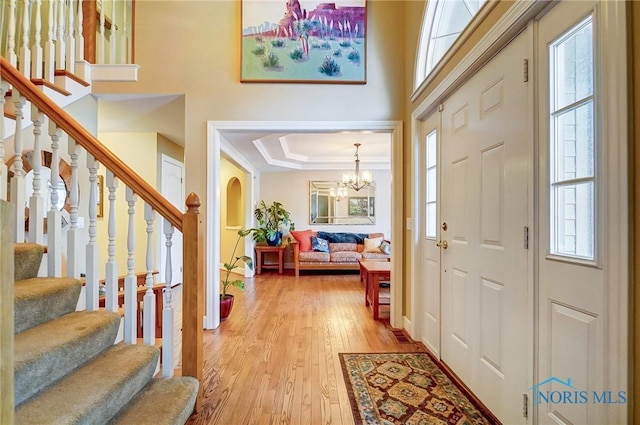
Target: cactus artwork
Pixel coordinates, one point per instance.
(303, 41)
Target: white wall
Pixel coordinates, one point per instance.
(292, 190)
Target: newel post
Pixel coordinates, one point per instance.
(192, 294)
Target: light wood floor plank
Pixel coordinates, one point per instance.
(275, 360)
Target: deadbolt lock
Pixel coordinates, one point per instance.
(444, 225)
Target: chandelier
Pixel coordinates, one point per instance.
(338, 194)
(358, 179)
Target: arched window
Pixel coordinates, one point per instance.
(234, 203)
(442, 23)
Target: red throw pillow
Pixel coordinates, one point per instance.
(304, 237)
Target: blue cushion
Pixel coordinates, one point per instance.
(385, 247)
(337, 237)
(319, 244)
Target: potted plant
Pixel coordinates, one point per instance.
(226, 300)
(271, 219)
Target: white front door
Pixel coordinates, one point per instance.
(172, 188)
(582, 217)
(430, 229)
(485, 196)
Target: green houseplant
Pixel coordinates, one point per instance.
(271, 219)
(226, 300)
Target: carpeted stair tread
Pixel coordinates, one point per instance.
(41, 299)
(46, 353)
(151, 406)
(96, 392)
(28, 257)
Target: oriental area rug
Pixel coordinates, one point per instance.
(407, 389)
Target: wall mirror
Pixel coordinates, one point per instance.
(331, 202)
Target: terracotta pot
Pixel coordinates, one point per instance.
(226, 304)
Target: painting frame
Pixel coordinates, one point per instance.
(305, 41)
(358, 206)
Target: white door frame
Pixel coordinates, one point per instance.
(216, 144)
(161, 240)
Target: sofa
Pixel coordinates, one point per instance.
(313, 250)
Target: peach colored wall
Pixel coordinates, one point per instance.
(193, 48)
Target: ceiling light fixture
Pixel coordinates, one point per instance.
(358, 179)
(339, 194)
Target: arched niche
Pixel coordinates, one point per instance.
(234, 203)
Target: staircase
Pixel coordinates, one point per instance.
(67, 368)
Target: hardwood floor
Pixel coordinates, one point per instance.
(275, 360)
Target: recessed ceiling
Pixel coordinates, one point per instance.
(272, 152)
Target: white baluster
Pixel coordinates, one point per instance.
(37, 202)
(112, 266)
(149, 309)
(124, 36)
(54, 218)
(18, 186)
(60, 46)
(36, 48)
(130, 284)
(11, 34)
(53, 5)
(74, 234)
(92, 286)
(70, 42)
(79, 35)
(4, 178)
(101, 44)
(25, 51)
(167, 311)
(49, 47)
(168, 233)
(112, 34)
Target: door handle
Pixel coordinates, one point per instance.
(443, 244)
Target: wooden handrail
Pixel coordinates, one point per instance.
(187, 223)
(85, 139)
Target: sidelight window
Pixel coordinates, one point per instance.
(573, 143)
(431, 184)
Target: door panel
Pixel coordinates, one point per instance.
(485, 176)
(430, 229)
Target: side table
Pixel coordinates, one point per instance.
(261, 250)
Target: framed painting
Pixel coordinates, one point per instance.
(303, 41)
(358, 205)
